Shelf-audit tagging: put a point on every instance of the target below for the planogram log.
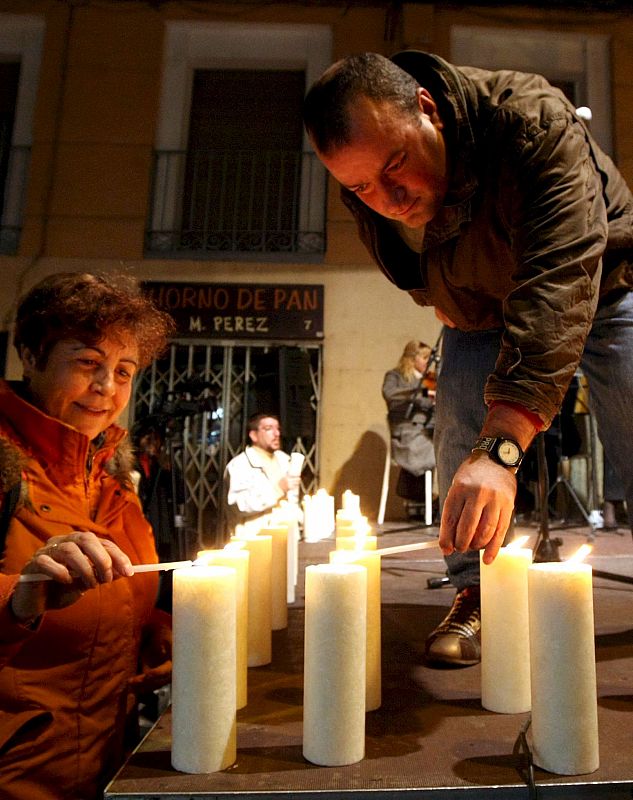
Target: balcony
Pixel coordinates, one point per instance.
(237, 204)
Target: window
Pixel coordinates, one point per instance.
(234, 173)
(20, 54)
(242, 181)
(9, 78)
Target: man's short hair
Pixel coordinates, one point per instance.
(326, 105)
(252, 423)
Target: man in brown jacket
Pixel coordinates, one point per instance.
(484, 195)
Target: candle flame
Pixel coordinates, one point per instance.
(580, 554)
(515, 544)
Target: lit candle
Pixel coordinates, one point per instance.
(357, 527)
(359, 541)
(278, 575)
(293, 560)
(347, 516)
(204, 675)
(295, 467)
(373, 659)
(259, 628)
(505, 635)
(318, 522)
(334, 669)
(289, 514)
(351, 502)
(237, 558)
(564, 726)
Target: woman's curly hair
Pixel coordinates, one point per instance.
(88, 307)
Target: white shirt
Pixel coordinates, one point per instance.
(254, 477)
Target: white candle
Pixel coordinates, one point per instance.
(357, 542)
(204, 675)
(318, 521)
(564, 726)
(292, 560)
(505, 635)
(259, 628)
(278, 575)
(352, 526)
(314, 519)
(295, 467)
(373, 658)
(289, 515)
(351, 501)
(238, 560)
(334, 669)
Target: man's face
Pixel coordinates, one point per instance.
(395, 162)
(268, 435)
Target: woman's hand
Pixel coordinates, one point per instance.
(75, 563)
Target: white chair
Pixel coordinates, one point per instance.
(428, 491)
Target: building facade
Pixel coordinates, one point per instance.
(164, 140)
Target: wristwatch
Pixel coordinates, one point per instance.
(504, 451)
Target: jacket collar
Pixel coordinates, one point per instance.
(48, 439)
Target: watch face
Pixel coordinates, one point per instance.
(508, 452)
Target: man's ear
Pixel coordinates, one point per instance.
(428, 105)
(29, 361)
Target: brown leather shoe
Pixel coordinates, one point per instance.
(456, 642)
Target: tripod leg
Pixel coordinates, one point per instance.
(572, 493)
(545, 549)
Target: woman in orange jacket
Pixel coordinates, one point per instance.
(74, 649)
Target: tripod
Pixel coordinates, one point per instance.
(592, 518)
(546, 548)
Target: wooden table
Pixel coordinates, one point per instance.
(430, 738)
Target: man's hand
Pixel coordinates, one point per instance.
(289, 483)
(478, 507)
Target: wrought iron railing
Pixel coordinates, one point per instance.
(14, 169)
(261, 203)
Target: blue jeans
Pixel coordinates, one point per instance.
(468, 359)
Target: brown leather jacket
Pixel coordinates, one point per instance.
(65, 687)
(537, 226)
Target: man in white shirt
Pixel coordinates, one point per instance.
(258, 477)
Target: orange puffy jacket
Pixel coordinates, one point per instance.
(65, 687)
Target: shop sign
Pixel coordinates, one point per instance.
(241, 311)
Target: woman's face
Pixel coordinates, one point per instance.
(421, 360)
(85, 386)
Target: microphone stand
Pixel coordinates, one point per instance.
(545, 549)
